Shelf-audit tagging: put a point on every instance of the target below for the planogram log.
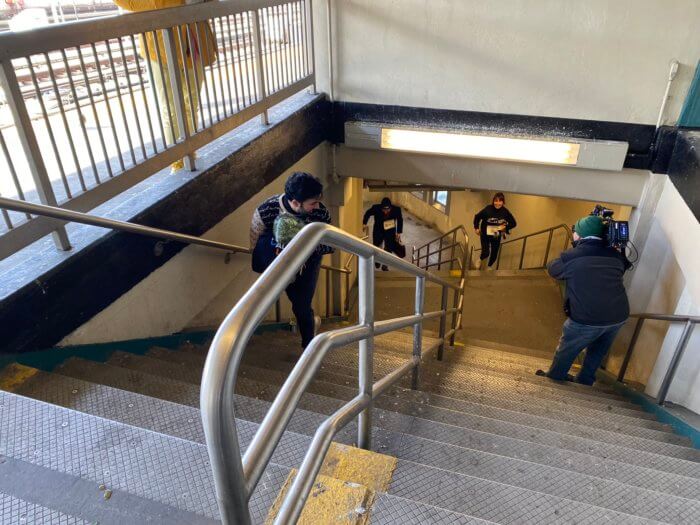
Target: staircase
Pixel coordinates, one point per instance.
(482, 440)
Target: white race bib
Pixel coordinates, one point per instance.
(390, 224)
(492, 231)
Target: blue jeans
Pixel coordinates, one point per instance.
(574, 338)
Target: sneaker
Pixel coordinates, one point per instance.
(377, 265)
(385, 268)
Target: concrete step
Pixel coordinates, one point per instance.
(293, 446)
(462, 371)
(541, 416)
(659, 455)
(184, 422)
(169, 473)
(16, 510)
(347, 375)
(254, 408)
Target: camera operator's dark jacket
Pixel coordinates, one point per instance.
(595, 294)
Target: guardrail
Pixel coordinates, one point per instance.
(567, 241)
(458, 254)
(236, 478)
(690, 322)
(96, 106)
(58, 214)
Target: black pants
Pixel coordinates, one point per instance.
(388, 241)
(301, 294)
(489, 248)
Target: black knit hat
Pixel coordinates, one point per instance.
(386, 203)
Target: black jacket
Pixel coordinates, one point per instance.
(379, 218)
(595, 294)
(492, 216)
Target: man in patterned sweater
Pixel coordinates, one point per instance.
(302, 199)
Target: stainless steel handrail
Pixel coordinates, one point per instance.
(524, 238)
(690, 322)
(236, 479)
(463, 263)
(93, 220)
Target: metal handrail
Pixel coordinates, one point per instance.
(524, 238)
(93, 220)
(463, 264)
(417, 257)
(236, 478)
(690, 322)
(242, 74)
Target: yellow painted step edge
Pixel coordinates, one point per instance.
(14, 375)
(345, 488)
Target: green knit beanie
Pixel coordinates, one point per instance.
(589, 226)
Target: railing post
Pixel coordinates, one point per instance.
(522, 253)
(471, 256)
(261, 92)
(328, 293)
(27, 138)
(439, 255)
(546, 251)
(278, 311)
(418, 330)
(443, 322)
(452, 252)
(346, 302)
(630, 349)
(178, 97)
(498, 259)
(311, 52)
(675, 360)
(366, 346)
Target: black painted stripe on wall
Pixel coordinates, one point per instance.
(38, 316)
(639, 136)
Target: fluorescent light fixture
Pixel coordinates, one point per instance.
(481, 146)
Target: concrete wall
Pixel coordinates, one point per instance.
(196, 288)
(599, 59)
(532, 213)
(623, 187)
(665, 280)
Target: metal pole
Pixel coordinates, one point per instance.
(346, 303)
(439, 255)
(452, 252)
(630, 349)
(522, 253)
(178, 97)
(443, 322)
(259, 74)
(328, 293)
(32, 152)
(546, 251)
(418, 330)
(366, 347)
(675, 360)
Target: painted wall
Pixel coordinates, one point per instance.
(195, 288)
(599, 59)
(532, 213)
(623, 187)
(665, 280)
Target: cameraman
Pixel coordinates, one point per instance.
(596, 302)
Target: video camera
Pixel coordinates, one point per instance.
(616, 233)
